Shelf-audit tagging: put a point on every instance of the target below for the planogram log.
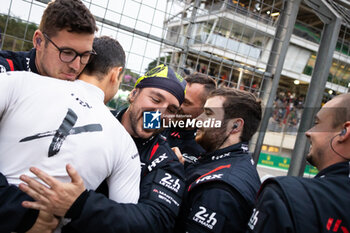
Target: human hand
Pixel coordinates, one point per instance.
(55, 199)
(177, 151)
(45, 223)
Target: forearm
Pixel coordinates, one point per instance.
(14, 217)
(103, 215)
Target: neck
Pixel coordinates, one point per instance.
(90, 79)
(94, 81)
(333, 160)
(126, 122)
(40, 71)
(231, 140)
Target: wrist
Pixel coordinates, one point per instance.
(75, 210)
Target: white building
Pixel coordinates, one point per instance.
(243, 32)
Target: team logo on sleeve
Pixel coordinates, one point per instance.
(253, 219)
(257, 220)
(151, 120)
(210, 177)
(207, 218)
(157, 161)
(171, 183)
(165, 197)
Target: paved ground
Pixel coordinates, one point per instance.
(264, 172)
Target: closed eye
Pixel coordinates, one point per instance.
(155, 100)
(186, 102)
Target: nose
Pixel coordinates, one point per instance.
(75, 64)
(307, 133)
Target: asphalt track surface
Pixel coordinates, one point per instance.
(265, 172)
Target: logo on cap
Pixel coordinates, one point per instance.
(151, 120)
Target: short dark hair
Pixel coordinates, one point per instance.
(241, 104)
(208, 82)
(200, 78)
(72, 15)
(110, 54)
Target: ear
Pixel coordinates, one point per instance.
(344, 135)
(38, 39)
(236, 125)
(133, 94)
(116, 74)
(121, 73)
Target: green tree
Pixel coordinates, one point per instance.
(153, 63)
(18, 35)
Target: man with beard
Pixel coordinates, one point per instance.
(197, 89)
(159, 91)
(304, 205)
(221, 186)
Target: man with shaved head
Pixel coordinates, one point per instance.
(321, 204)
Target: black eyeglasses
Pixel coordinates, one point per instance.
(67, 55)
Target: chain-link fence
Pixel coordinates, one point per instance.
(268, 47)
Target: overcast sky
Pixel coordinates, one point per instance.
(144, 15)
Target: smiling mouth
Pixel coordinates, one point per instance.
(310, 148)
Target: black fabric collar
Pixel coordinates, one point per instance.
(119, 114)
(342, 168)
(236, 149)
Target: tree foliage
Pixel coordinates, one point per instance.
(153, 63)
(18, 35)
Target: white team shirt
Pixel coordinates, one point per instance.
(47, 123)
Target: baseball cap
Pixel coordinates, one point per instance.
(165, 78)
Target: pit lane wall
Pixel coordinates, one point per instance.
(279, 162)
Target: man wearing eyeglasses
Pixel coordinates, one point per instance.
(62, 44)
(62, 48)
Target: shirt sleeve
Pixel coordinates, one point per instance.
(271, 214)
(124, 182)
(216, 208)
(14, 217)
(155, 212)
(6, 91)
(100, 214)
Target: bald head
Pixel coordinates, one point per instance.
(342, 109)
